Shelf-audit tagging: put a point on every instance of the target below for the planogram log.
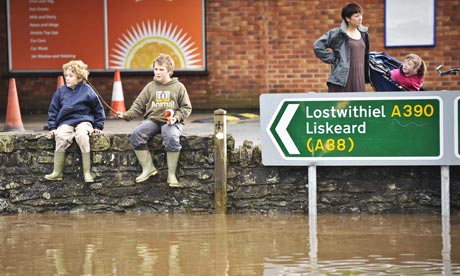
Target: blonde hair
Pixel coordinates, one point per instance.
(164, 59)
(419, 64)
(78, 67)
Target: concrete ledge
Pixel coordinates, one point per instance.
(252, 187)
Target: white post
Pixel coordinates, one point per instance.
(313, 244)
(312, 190)
(445, 198)
(446, 246)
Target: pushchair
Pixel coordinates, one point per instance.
(380, 66)
(452, 71)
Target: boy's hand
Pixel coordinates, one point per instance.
(172, 120)
(119, 115)
(169, 115)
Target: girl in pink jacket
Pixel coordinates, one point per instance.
(411, 74)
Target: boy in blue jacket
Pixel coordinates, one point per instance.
(75, 112)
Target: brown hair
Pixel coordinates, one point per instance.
(167, 60)
(349, 9)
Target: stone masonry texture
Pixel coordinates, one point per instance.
(252, 187)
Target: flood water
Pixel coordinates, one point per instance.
(158, 244)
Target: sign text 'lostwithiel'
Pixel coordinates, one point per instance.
(353, 129)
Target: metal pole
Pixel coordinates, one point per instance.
(313, 245)
(445, 198)
(446, 246)
(220, 161)
(312, 190)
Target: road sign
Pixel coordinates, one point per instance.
(354, 129)
(456, 126)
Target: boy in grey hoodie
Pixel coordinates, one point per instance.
(165, 105)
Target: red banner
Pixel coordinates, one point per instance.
(105, 34)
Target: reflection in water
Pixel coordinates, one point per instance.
(157, 244)
(446, 245)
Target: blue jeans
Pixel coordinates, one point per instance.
(145, 131)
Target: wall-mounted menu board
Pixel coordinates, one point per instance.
(105, 34)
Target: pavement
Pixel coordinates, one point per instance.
(241, 125)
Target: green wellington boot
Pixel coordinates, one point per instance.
(86, 162)
(148, 170)
(173, 159)
(59, 160)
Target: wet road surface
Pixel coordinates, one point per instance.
(240, 126)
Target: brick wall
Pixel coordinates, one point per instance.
(261, 46)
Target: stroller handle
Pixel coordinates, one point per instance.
(452, 71)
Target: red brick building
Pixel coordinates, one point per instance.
(255, 47)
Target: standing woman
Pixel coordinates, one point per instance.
(346, 48)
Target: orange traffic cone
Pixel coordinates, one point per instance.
(60, 82)
(118, 101)
(13, 112)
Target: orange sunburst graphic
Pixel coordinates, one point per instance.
(142, 43)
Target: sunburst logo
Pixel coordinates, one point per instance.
(139, 46)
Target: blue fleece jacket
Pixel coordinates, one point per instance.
(73, 106)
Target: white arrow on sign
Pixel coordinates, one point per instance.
(281, 128)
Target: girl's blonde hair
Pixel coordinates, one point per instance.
(78, 67)
(419, 64)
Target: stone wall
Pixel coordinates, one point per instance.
(252, 188)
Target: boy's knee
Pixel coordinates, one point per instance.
(81, 134)
(171, 143)
(138, 142)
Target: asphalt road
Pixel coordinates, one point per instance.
(242, 126)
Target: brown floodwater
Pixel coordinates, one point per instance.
(158, 244)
